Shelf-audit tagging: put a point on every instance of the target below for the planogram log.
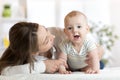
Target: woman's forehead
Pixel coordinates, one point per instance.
(41, 29)
(42, 33)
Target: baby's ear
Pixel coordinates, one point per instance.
(64, 30)
(88, 28)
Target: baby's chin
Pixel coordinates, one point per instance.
(76, 38)
(77, 41)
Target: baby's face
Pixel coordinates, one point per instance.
(76, 28)
(45, 39)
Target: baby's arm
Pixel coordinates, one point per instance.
(52, 65)
(62, 68)
(100, 51)
(94, 67)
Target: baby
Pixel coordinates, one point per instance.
(78, 45)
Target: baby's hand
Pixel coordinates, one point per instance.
(89, 70)
(52, 65)
(64, 62)
(63, 70)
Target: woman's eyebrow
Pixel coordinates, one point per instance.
(46, 29)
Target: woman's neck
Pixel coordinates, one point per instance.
(47, 54)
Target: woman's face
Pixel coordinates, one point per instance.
(45, 39)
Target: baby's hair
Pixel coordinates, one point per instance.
(72, 14)
(23, 42)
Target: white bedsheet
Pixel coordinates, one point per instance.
(106, 74)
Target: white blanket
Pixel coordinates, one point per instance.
(106, 74)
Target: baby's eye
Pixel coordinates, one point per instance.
(69, 28)
(78, 26)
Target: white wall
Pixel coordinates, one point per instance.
(41, 11)
(115, 20)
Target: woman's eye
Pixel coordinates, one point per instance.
(79, 26)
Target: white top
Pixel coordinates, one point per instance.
(39, 67)
(76, 60)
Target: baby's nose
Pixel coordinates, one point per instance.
(75, 29)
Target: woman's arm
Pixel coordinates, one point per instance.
(49, 66)
(39, 67)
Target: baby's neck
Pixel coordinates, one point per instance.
(77, 47)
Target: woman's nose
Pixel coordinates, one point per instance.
(52, 37)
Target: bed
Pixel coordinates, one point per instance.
(105, 74)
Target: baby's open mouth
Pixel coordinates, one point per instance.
(76, 36)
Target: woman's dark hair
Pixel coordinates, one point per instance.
(23, 42)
